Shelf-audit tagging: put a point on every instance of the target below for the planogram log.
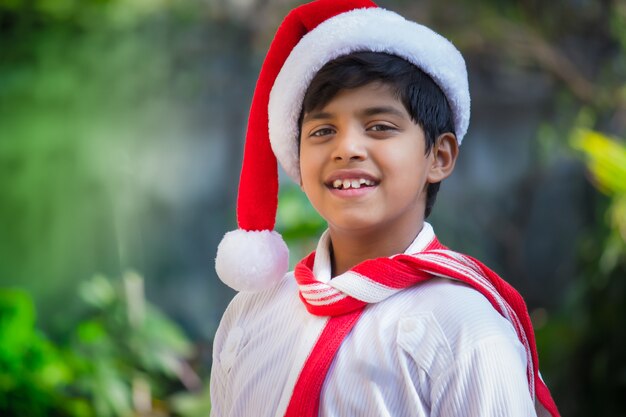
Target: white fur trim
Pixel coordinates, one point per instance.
(372, 29)
(252, 260)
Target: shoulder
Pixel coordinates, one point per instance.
(464, 315)
(457, 338)
(253, 305)
(440, 321)
(436, 342)
(250, 313)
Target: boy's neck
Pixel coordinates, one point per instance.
(350, 249)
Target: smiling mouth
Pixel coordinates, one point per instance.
(348, 183)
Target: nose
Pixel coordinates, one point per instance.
(349, 146)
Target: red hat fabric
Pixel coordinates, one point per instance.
(254, 257)
(256, 206)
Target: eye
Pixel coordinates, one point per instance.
(379, 127)
(322, 132)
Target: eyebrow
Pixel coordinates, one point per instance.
(370, 111)
(316, 116)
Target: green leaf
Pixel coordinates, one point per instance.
(17, 323)
(192, 404)
(91, 332)
(605, 158)
(112, 394)
(98, 291)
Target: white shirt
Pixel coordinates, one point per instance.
(436, 349)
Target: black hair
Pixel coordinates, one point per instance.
(420, 95)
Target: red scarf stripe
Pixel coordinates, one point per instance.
(344, 306)
(404, 275)
(319, 294)
(446, 259)
(378, 270)
(323, 298)
(324, 301)
(376, 280)
(305, 401)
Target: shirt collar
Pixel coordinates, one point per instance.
(322, 267)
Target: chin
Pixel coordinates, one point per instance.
(354, 225)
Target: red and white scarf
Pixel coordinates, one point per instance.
(345, 297)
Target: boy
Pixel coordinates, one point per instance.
(365, 110)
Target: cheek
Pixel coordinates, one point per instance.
(407, 173)
(404, 161)
(305, 169)
(309, 174)
(312, 159)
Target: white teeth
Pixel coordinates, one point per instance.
(351, 183)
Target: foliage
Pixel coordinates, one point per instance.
(606, 160)
(125, 358)
(31, 368)
(82, 87)
(583, 343)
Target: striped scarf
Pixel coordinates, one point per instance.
(345, 297)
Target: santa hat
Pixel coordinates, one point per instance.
(255, 257)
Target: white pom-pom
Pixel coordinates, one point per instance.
(252, 260)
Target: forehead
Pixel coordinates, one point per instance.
(374, 95)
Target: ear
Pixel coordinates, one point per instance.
(443, 154)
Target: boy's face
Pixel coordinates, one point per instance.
(363, 162)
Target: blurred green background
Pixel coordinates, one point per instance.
(121, 129)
